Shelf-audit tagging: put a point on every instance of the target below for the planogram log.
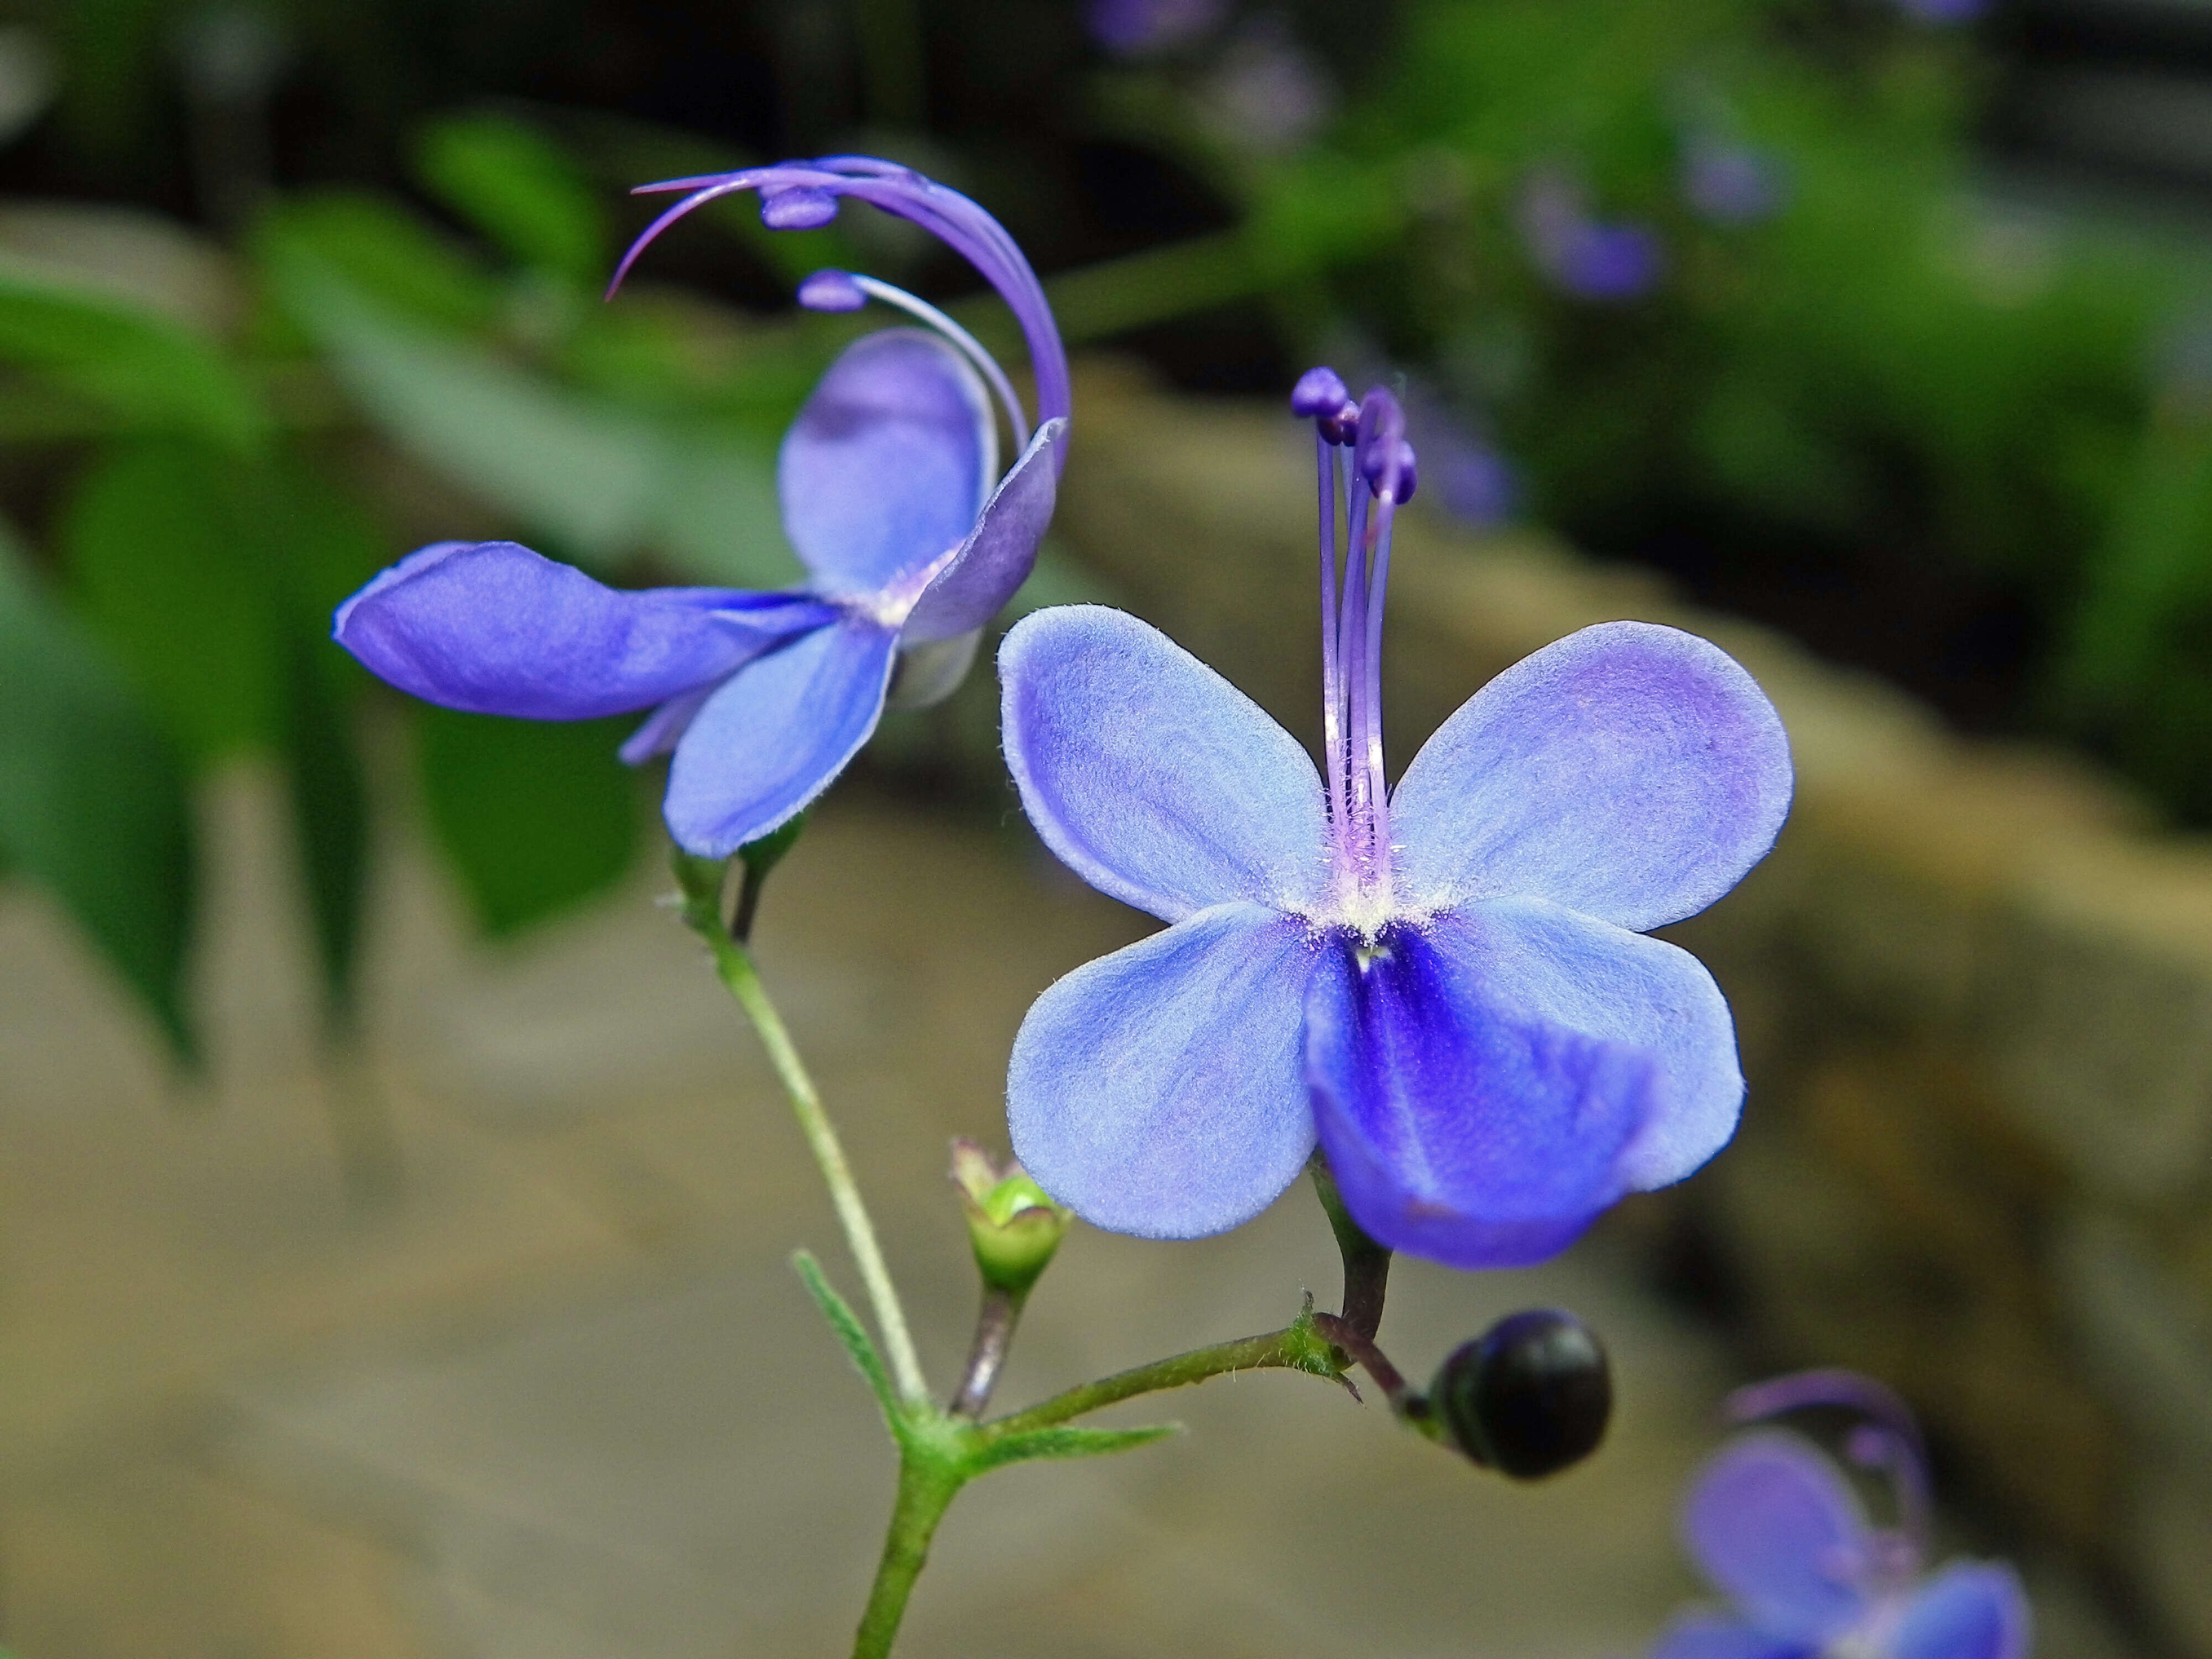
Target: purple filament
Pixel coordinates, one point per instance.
(1360, 453)
(960, 224)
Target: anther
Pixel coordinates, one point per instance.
(832, 290)
(1342, 427)
(796, 206)
(1320, 392)
(1380, 443)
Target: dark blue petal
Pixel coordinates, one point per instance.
(1702, 1635)
(1549, 966)
(493, 629)
(1777, 1530)
(1458, 1128)
(888, 463)
(997, 558)
(775, 736)
(1155, 1092)
(1628, 771)
(1149, 776)
(1973, 1610)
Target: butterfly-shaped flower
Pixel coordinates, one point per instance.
(1448, 983)
(1778, 1531)
(892, 497)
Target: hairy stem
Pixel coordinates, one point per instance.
(1295, 1348)
(734, 964)
(987, 1354)
(927, 1488)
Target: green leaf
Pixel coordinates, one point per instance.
(330, 822)
(93, 804)
(582, 473)
(851, 1334)
(315, 547)
(536, 814)
(1064, 1443)
(169, 577)
(599, 479)
(380, 250)
(521, 189)
(149, 372)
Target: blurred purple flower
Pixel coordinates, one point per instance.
(1267, 95)
(1591, 259)
(1447, 984)
(1140, 29)
(1729, 184)
(887, 486)
(1778, 1531)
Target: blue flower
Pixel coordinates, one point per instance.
(1447, 984)
(892, 497)
(1778, 1531)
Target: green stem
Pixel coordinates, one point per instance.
(1296, 1347)
(928, 1486)
(734, 964)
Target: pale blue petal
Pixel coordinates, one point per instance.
(1702, 1635)
(1156, 1091)
(775, 736)
(997, 557)
(1549, 966)
(1628, 771)
(1973, 1610)
(888, 463)
(1457, 1128)
(1778, 1530)
(1149, 776)
(492, 628)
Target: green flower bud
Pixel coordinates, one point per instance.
(1012, 1223)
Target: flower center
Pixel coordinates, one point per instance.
(1361, 454)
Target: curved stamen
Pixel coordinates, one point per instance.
(960, 224)
(968, 345)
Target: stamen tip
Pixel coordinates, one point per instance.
(1319, 393)
(831, 290)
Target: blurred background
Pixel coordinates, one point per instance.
(389, 1210)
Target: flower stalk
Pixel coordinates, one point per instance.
(702, 882)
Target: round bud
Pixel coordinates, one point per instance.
(1530, 1396)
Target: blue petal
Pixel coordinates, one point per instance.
(1628, 771)
(775, 736)
(1457, 1128)
(1155, 1092)
(1777, 1530)
(1149, 776)
(887, 465)
(997, 558)
(493, 629)
(1543, 965)
(1974, 1610)
(1702, 1635)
